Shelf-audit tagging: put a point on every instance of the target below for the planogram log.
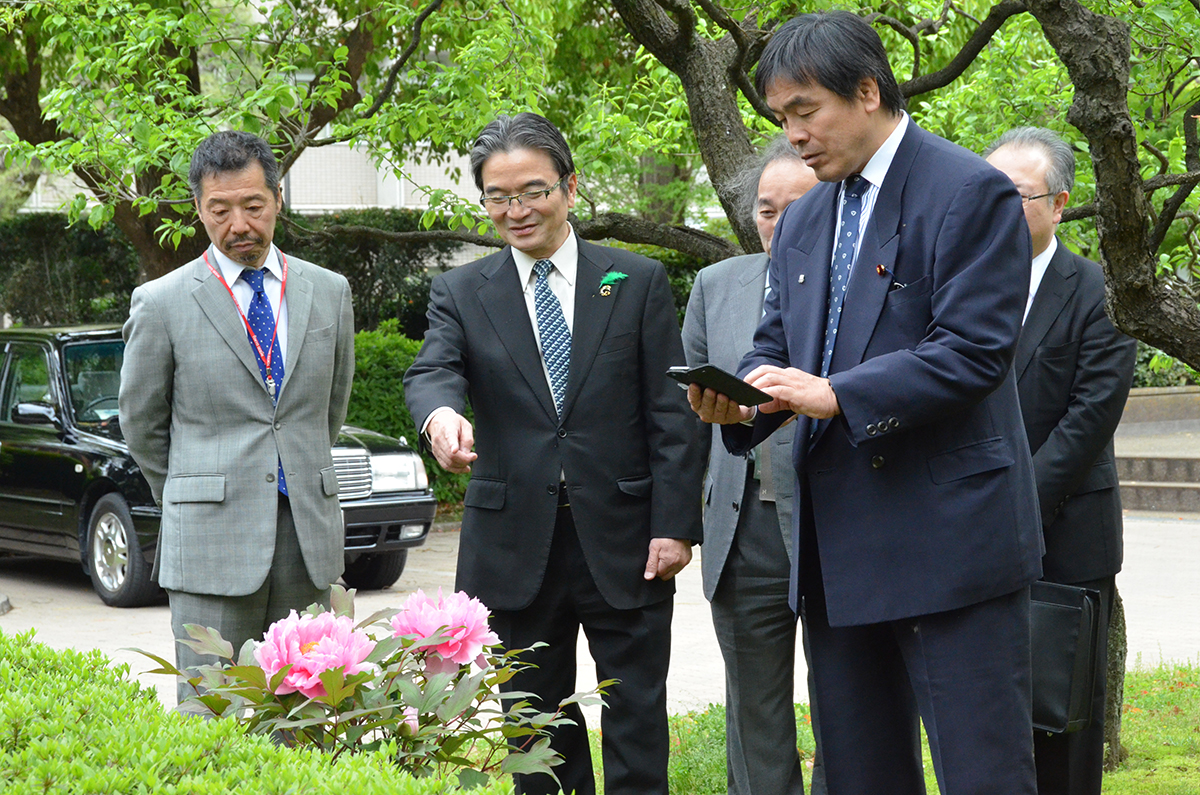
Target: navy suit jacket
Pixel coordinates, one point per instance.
(627, 442)
(921, 492)
(1073, 375)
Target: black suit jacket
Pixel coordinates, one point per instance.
(627, 442)
(1073, 375)
(922, 491)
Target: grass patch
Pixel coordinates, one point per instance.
(1160, 728)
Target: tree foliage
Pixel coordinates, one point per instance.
(655, 96)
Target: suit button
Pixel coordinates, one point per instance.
(894, 423)
(552, 488)
(562, 433)
(270, 478)
(877, 461)
(278, 425)
(872, 430)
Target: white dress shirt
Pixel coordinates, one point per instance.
(243, 293)
(1040, 263)
(874, 173)
(562, 284)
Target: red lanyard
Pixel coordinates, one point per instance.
(266, 358)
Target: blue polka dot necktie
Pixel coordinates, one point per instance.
(843, 258)
(553, 332)
(262, 327)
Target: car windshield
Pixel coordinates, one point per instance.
(94, 378)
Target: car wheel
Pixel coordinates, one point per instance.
(375, 571)
(120, 573)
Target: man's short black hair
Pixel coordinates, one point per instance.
(833, 49)
(523, 131)
(232, 150)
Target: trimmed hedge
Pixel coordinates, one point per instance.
(377, 402)
(70, 723)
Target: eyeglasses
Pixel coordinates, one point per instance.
(530, 196)
(1027, 199)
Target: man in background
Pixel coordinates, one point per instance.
(748, 509)
(584, 458)
(235, 383)
(1073, 373)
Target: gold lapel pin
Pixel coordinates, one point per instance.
(882, 271)
(606, 290)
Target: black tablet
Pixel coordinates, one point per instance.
(726, 383)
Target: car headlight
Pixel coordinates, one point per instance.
(400, 472)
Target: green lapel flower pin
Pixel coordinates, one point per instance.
(611, 278)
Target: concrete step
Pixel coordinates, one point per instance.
(1137, 495)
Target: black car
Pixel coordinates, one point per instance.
(70, 490)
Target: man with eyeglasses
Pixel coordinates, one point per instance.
(1073, 372)
(585, 464)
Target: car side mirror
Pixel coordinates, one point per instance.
(35, 414)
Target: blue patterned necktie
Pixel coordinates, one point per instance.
(843, 258)
(262, 327)
(553, 332)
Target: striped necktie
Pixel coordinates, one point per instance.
(553, 332)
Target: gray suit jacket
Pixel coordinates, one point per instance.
(201, 425)
(722, 314)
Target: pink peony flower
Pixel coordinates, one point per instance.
(312, 645)
(462, 618)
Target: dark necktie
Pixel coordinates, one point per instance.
(553, 332)
(843, 258)
(262, 327)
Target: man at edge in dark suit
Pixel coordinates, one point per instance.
(1073, 375)
(897, 287)
(584, 497)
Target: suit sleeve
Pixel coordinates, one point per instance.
(343, 365)
(438, 375)
(1103, 374)
(770, 347)
(695, 346)
(979, 277)
(676, 465)
(147, 383)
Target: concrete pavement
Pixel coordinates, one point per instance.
(1160, 586)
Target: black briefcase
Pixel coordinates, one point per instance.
(1064, 635)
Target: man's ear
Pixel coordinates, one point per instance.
(868, 94)
(1060, 203)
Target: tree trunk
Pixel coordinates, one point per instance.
(1118, 650)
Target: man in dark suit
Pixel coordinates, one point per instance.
(583, 502)
(748, 509)
(897, 288)
(1073, 375)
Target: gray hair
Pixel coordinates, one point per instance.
(1060, 174)
(523, 131)
(745, 184)
(232, 150)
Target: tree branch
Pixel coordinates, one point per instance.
(393, 73)
(906, 32)
(374, 233)
(966, 56)
(650, 27)
(1172, 205)
(632, 229)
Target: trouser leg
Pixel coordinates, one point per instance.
(756, 630)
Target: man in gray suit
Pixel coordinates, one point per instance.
(748, 509)
(234, 386)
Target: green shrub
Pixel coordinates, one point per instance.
(389, 279)
(1155, 368)
(70, 724)
(53, 272)
(377, 402)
